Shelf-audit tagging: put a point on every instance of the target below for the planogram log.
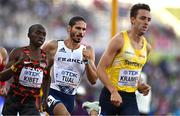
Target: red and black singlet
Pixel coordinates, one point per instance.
(29, 76)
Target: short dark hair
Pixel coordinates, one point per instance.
(136, 7)
(32, 27)
(75, 19)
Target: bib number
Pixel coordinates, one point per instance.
(67, 77)
(128, 77)
(31, 77)
(50, 100)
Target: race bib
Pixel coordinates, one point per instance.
(67, 77)
(128, 77)
(50, 100)
(31, 77)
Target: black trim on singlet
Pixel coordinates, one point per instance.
(60, 40)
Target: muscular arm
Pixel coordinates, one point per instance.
(113, 48)
(106, 60)
(148, 48)
(50, 48)
(144, 88)
(46, 86)
(90, 67)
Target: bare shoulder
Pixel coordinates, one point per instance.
(89, 47)
(16, 52)
(117, 41)
(14, 56)
(50, 45)
(148, 47)
(119, 37)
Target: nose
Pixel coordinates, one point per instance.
(42, 36)
(147, 22)
(81, 31)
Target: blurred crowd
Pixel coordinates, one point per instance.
(163, 68)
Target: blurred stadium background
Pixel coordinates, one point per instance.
(162, 69)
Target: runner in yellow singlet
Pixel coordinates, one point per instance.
(121, 64)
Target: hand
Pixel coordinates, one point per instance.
(144, 88)
(116, 98)
(86, 54)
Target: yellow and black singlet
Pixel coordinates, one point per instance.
(125, 69)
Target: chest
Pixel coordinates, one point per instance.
(67, 56)
(69, 60)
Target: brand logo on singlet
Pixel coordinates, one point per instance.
(135, 64)
(127, 52)
(62, 50)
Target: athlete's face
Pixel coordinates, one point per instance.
(37, 36)
(77, 31)
(142, 21)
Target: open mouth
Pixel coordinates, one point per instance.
(145, 28)
(40, 42)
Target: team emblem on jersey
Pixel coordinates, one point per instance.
(62, 50)
(43, 65)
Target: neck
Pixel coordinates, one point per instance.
(135, 36)
(71, 44)
(34, 50)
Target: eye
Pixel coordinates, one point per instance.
(143, 18)
(44, 33)
(149, 19)
(78, 28)
(39, 32)
(84, 29)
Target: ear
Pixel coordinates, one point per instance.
(132, 20)
(68, 28)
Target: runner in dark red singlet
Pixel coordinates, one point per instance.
(29, 68)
